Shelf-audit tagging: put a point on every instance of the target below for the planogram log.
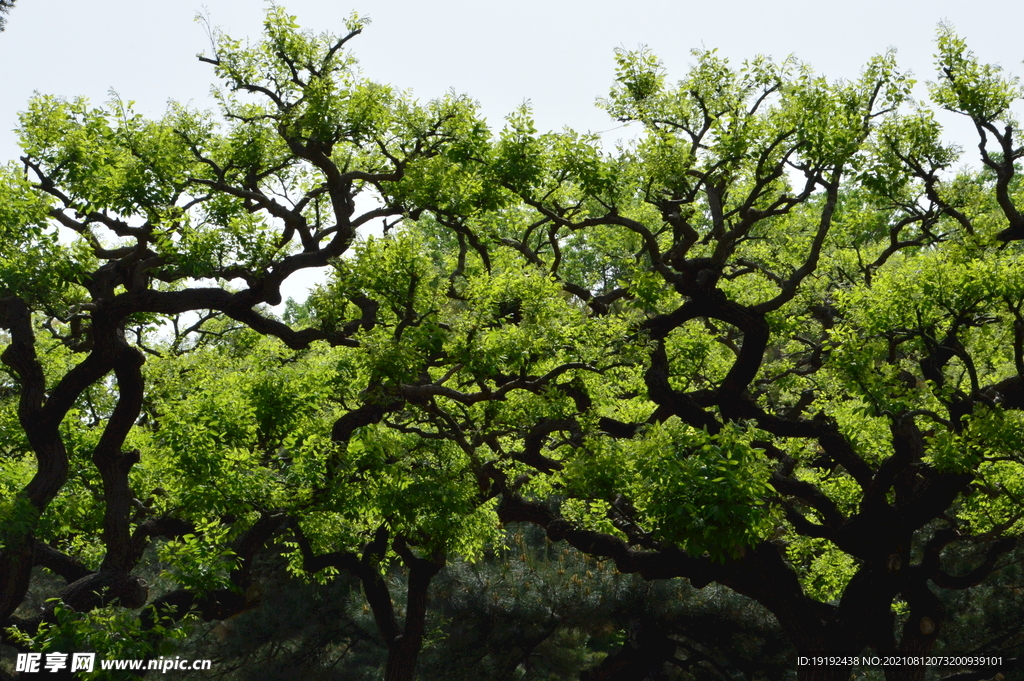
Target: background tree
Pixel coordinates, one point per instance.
(532, 610)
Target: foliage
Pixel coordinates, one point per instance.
(111, 633)
(775, 342)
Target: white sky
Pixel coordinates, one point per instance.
(556, 53)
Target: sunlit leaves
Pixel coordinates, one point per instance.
(199, 560)
(969, 86)
(825, 570)
(33, 262)
(110, 159)
(109, 631)
(703, 492)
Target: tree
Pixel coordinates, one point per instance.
(175, 243)
(826, 397)
(774, 343)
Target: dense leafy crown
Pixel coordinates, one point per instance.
(774, 342)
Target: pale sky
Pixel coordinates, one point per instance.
(556, 53)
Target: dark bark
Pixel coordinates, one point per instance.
(402, 640)
(404, 649)
(646, 651)
(68, 567)
(93, 591)
(114, 464)
(40, 417)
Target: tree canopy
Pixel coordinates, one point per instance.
(775, 342)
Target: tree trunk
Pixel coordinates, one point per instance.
(402, 657)
(405, 647)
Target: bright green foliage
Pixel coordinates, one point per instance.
(704, 492)
(32, 262)
(195, 561)
(113, 633)
(257, 437)
(825, 569)
(968, 86)
(772, 342)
